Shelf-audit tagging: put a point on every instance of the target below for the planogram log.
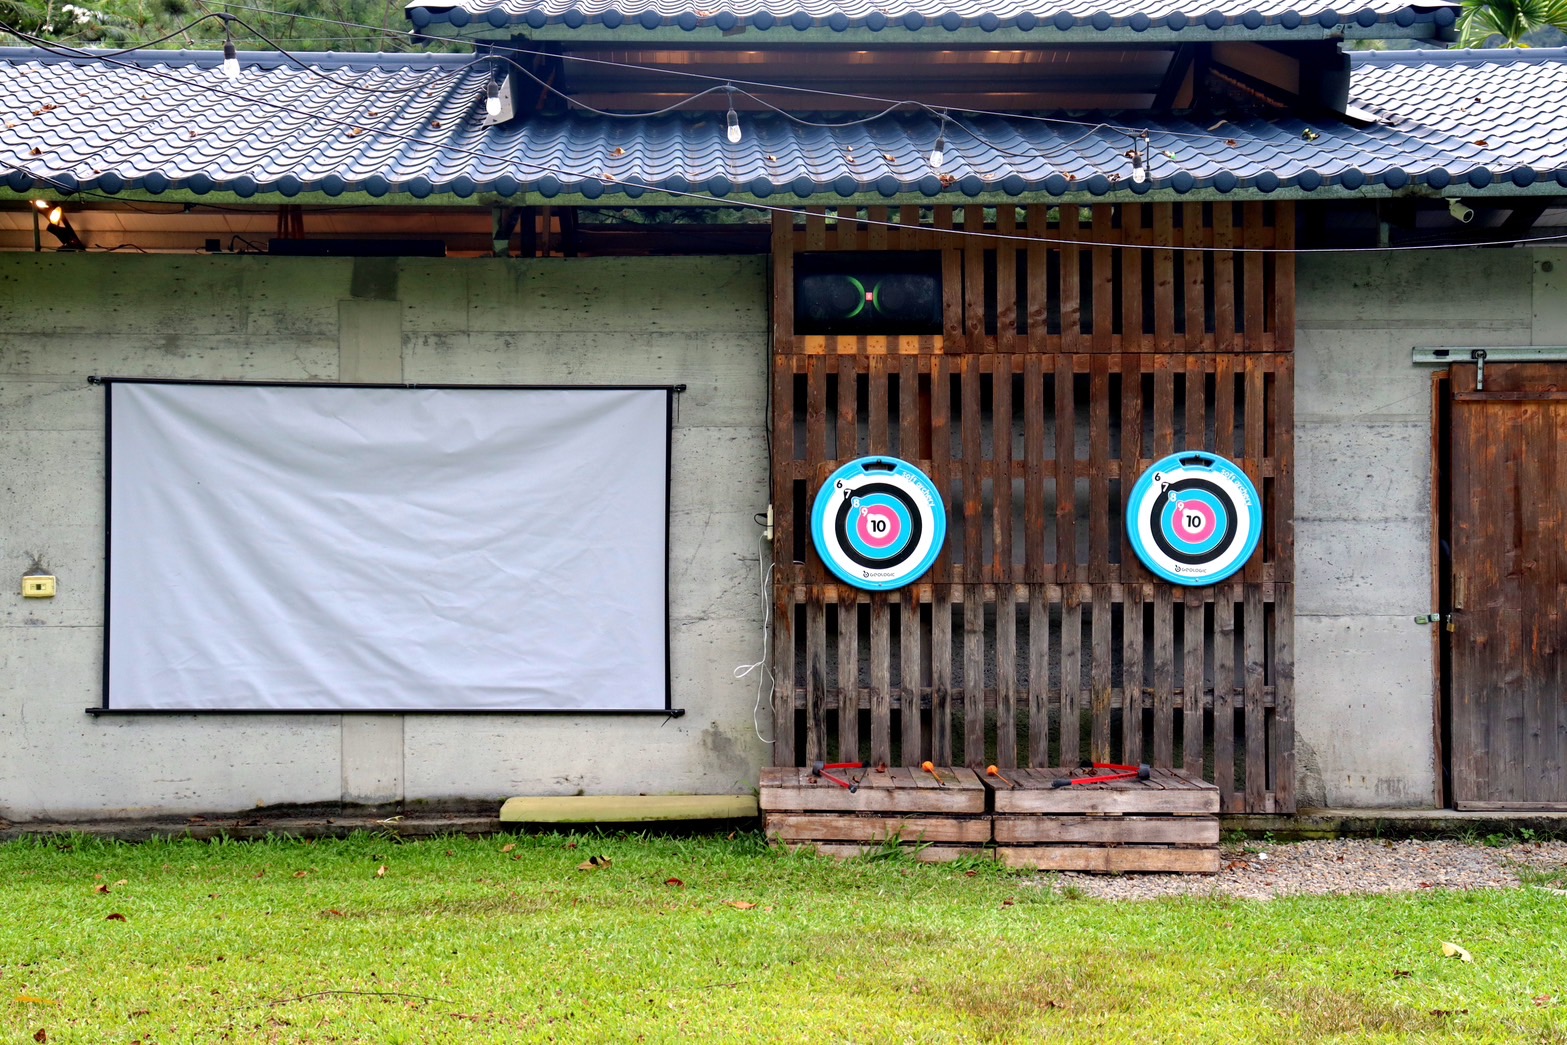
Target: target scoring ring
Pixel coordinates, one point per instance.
(878, 523)
(1194, 518)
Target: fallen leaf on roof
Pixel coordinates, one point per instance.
(1481, 142)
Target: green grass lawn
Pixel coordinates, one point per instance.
(507, 939)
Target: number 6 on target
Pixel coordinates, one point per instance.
(1194, 518)
(878, 523)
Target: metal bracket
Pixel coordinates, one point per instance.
(1490, 353)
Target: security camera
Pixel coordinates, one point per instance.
(1457, 209)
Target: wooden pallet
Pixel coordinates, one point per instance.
(1166, 823)
(906, 807)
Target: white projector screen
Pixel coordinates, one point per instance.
(310, 548)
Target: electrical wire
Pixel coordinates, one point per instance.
(563, 174)
(90, 55)
(765, 680)
(891, 104)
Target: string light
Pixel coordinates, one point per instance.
(797, 211)
(1138, 154)
(230, 56)
(492, 98)
(732, 122)
(938, 155)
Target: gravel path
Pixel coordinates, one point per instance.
(1258, 871)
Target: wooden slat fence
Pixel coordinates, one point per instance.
(1078, 347)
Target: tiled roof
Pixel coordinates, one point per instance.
(409, 126)
(951, 15)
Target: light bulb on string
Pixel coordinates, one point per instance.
(732, 121)
(230, 57)
(492, 97)
(1138, 154)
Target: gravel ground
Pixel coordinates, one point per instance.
(1258, 871)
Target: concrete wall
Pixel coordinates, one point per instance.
(1365, 686)
(702, 322)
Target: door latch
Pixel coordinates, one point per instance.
(1436, 618)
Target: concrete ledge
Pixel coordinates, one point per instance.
(627, 809)
(1396, 823)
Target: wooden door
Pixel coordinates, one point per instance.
(1509, 586)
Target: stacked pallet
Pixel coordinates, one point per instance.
(1167, 822)
(937, 815)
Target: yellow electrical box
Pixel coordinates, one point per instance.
(38, 586)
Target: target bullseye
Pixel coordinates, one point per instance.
(1194, 518)
(878, 523)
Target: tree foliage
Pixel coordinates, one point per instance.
(292, 25)
(1511, 20)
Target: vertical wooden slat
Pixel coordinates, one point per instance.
(1284, 277)
(941, 573)
(848, 674)
(1252, 235)
(1282, 742)
(1071, 279)
(909, 659)
(1130, 262)
(1132, 675)
(1104, 297)
(1164, 278)
(1099, 675)
(1038, 676)
(1192, 685)
(881, 678)
(1224, 280)
(1163, 676)
(1071, 675)
(1006, 279)
(1194, 235)
(1256, 440)
(816, 577)
(973, 282)
(1224, 696)
(1066, 473)
(1039, 338)
(847, 449)
(1132, 455)
(1256, 735)
(973, 565)
(1099, 471)
(815, 675)
(1001, 567)
(782, 420)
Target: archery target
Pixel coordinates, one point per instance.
(1194, 518)
(878, 523)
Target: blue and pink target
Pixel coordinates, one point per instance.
(1194, 518)
(878, 523)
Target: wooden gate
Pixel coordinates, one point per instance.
(1509, 587)
(1078, 346)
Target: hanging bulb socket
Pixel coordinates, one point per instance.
(230, 57)
(492, 98)
(1139, 168)
(732, 128)
(938, 155)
